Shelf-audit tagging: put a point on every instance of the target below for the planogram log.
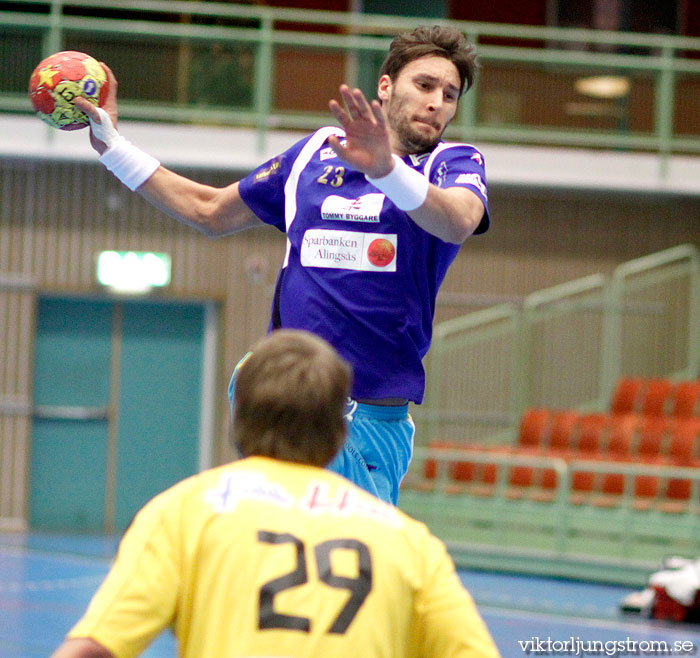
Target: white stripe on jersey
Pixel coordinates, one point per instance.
(290, 186)
(438, 149)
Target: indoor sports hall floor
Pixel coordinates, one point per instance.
(47, 580)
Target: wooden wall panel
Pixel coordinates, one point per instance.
(295, 90)
(16, 349)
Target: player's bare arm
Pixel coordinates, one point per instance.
(83, 647)
(213, 211)
(451, 214)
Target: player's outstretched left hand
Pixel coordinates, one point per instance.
(109, 106)
(367, 146)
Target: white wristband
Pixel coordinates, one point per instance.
(406, 187)
(129, 163)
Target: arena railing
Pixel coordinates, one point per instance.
(562, 347)
(613, 543)
(547, 350)
(484, 342)
(527, 91)
(662, 338)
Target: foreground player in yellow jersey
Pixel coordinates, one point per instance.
(275, 556)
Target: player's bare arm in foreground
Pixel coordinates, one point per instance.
(82, 647)
(214, 211)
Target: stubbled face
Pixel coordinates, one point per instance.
(420, 103)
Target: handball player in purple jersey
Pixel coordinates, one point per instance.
(374, 212)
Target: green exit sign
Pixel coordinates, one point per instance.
(133, 271)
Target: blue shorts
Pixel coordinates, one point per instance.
(378, 449)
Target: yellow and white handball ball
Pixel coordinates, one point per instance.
(58, 80)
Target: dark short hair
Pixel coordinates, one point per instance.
(289, 400)
(438, 40)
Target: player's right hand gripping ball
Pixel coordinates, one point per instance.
(56, 82)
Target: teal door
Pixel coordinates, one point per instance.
(117, 398)
(160, 399)
(71, 400)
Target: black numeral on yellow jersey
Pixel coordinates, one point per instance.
(337, 174)
(268, 618)
(359, 587)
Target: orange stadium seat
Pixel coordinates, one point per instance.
(592, 429)
(626, 398)
(463, 471)
(582, 485)
(621, 436)
(521, 476)
(686, 400)
(646, 491)
(546, 480)
(562, 427)
(520, 480)
(533, 426)
(430, 466)
(613, 484)
(684, 448)
(657, 395)
(475, 478)
(653, 438)
(678, 489)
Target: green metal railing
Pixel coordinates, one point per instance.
(549, 534)
(666, 340)
(152, 45)
(564, 347)
(462, 347)
(558, 507)
(560, 343)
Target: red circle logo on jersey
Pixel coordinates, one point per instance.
(381, 252)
